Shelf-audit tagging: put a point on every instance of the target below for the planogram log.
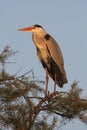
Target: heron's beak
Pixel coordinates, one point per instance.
(27, 29)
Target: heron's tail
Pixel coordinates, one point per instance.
(61, 79)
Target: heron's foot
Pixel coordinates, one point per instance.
(47, 93)
(55, 93)
(50, 95)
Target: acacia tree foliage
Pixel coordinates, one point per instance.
(24, 106)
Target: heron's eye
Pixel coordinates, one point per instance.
(33, 27)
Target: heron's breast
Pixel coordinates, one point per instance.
(42, 51)
(43, 54)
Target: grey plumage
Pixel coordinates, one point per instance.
(49, 53)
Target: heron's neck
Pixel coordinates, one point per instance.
(38, 38)
(40, 34)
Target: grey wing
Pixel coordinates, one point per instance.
(55, 53)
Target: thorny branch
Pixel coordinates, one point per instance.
(58, 105)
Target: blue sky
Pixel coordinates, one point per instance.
(65, 20)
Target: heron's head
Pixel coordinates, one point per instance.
(34, 29)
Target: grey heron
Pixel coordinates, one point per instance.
(49, 54)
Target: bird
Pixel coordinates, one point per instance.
(49, 54)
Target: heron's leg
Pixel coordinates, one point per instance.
(47, 78)
(55, 84)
